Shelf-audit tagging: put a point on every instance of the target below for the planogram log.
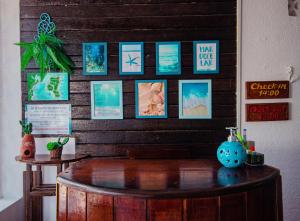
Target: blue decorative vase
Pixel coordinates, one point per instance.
(231, 154)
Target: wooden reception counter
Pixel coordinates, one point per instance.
(167, 190)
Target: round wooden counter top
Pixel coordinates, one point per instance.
(163, 178)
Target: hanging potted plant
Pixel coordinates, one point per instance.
(56, 148)
(46, 50)
(28, 143)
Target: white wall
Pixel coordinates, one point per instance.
(270, 43)
(10, 100)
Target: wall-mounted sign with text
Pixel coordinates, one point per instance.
(267, 112)
(267, 89)
(49, 118)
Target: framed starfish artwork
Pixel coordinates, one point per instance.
(131, 58)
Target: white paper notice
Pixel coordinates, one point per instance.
(49, 118)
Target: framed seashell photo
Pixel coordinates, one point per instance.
(151, 98)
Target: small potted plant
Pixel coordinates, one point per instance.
(56, 148)
(28, 143)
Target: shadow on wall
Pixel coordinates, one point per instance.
(293, 6)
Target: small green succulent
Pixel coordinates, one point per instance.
(58, 144)
(26, 127)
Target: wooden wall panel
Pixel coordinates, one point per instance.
(81, 21)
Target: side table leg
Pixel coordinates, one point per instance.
(37, 201)
(59, 168)
(27, 183)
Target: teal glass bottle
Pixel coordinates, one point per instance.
(231, 153)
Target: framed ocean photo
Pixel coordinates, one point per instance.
(94, 58)
(206, 57)
(131, 58)
(107, 100)
(52, 87)
(195, 99)
(151, 99)
(168, 58)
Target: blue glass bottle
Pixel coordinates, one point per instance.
(231, 153)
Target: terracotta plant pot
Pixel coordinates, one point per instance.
(56, 154)
(27, 147)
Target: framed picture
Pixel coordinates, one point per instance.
(107, 100)
(53, 87)
(206, 57)
(168, 58)
(151, 98)
(95, 58)
(131, 58)
(195, 99)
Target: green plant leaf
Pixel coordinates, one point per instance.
(26, 58)
(52, 146)
(65, 141)
(54, 58)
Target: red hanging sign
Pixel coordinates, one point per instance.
(267, 89)
(267, 112)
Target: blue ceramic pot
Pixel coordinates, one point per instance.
(231, 154)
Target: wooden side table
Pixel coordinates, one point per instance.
(33, 187)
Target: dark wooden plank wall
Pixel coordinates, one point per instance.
(113, 21)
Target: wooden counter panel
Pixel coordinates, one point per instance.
(99, 206)
(165, 210)
(62, 202)
(254, 205)
(129, 209)
(233, 207)
(76, 205)
(206, 208)
(167, 190)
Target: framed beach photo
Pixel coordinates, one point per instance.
(206, 57)
(94, 58)
(168, 58)
(131, 58)
(107, 100)
(195, 99)
(151, 98)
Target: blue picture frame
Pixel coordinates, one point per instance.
(207, 65)
(134, 51)
(168, 69)
(153, 90)
(108, 107)
(98, 53)
(195, 99)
